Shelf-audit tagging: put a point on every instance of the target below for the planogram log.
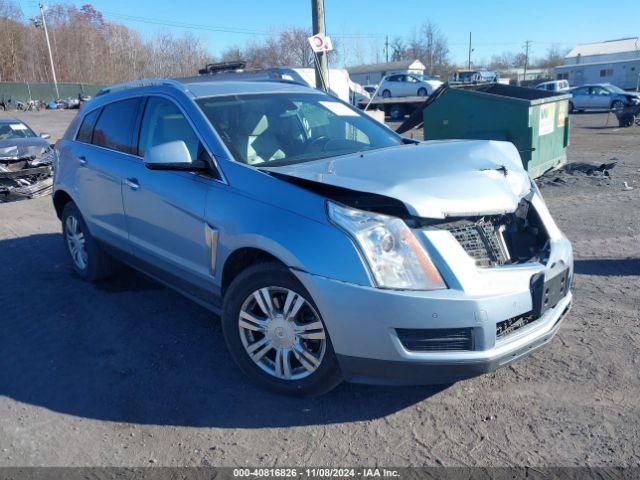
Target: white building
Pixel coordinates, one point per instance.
(373, 73)
(615, 61)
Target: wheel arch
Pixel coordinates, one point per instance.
(60, 199)
(242, 258)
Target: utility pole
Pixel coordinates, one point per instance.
(386, 48)
(46, 34)
(470, 50)
(322, 70)
(527, 44)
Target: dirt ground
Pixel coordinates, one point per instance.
(131, 374)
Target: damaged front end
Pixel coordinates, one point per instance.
(498, 240)
(25, 172)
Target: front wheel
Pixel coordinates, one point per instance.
(617, 105)
(275, 333)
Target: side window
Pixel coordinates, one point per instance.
(86, 129)
(164, 122)
(581, 91)
(114, 129)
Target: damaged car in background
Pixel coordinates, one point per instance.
(25, 162)
(332, 248)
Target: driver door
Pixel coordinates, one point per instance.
(600, 98)
(164, 209)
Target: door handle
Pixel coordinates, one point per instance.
(132, 183)
(82, 160)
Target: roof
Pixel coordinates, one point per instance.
(10, 120)
(222, 87)
(386, 67)
(604, 61)
(606, 48)
(203, 86)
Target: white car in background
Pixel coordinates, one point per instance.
(408, 85)
(554, 86)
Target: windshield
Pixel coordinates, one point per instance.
(613, 88)
(14, 130)
(274, 129)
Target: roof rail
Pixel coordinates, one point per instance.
(148, 82)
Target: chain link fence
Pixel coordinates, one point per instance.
(23, 91)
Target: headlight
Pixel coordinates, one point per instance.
(394, 255)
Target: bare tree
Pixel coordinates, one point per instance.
(398, 49)
(553, 57)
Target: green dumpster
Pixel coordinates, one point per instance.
(535, 121)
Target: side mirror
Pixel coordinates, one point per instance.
(171, 156)
(45, 135)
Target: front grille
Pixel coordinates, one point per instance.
(436, 340)
(510, 325)
(481, 239)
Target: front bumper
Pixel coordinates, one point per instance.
(362, 323)
(451, 367)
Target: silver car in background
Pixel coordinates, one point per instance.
(332, 248)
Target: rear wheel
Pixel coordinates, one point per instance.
(386, 94)
(87, 258)
(275, 333)
(571, 107)
(422, 92)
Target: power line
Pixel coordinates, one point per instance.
(246, 31)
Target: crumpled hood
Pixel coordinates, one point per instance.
(23, 148)
(433, 179)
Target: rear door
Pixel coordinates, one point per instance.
(165, 209)
(103, 151)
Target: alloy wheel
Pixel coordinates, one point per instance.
(282, 333)
(76, 242)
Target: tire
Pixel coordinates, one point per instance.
(571, 107)
(386, 94)
(91, 264)
(397, 112)
(245, 296)
(617, 105)
(422, 92)
(626, 120)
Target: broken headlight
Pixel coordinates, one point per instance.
(394, 255)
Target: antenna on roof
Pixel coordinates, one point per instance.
(213, 68)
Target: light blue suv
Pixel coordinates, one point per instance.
(332, 248)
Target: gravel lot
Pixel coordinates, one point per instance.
(131, 374)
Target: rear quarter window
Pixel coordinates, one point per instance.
(86, 128)
(115, 126)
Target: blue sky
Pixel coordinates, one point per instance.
(496, 25)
